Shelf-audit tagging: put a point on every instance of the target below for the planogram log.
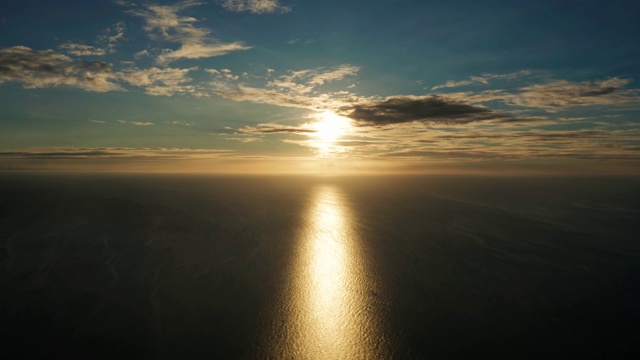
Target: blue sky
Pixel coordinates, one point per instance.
(287, 85)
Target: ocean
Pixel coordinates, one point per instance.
(319, 267)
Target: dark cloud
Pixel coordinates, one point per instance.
(22, 59)
(430, 108)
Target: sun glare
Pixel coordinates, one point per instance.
(330, 126)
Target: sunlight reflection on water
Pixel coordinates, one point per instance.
(331, 314)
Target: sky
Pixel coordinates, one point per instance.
(327, 86)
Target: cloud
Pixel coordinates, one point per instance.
(223, 73)
(305, 81)
(162, 22)
(299, 89)
(41, 69)
(427, 128)
(244, 139)
(255, 6)
(46, 68)
(115, 153)
(141, 54)
(112, 35)
(108, 41)
(98, 121)
(561, 94)
(262, 129)
(264, 96)
(142, 123)
(429, 108)
(161, 82)
(482, 79)
(82, 50)
(502, 144)
(197, 51)
(179, 122)
(296, 89)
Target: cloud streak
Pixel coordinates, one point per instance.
(115, 153)
(483, 79)
(262, 129)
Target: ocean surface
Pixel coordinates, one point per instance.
(286, 267)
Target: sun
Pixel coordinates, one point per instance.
(330, 126)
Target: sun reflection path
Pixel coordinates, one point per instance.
(332, 315)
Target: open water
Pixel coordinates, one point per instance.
(285, 267)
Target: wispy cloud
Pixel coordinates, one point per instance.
(160, 82)
(164, 23)
(305, 81)
(141, 54)
(112, 35)
(244, 139)
(224, 73)
(115, 153)
(179, 122)
(82, 50)
(46, 68)
(255, 6)
(298, 88)
(142, 123)
(107, 42)
(262, 129)
(274, 97)
(483, 79)
(561, 94)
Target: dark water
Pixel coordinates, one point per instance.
(314, 268)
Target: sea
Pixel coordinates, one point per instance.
(168, 266)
